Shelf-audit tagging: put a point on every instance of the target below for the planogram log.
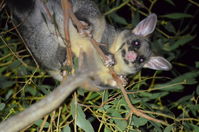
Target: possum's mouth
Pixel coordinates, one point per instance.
(130, 56)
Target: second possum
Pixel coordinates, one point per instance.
(130, 49)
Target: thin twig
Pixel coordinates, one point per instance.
(43, 123)
(116, 8)
(68, 14)
(194, 3)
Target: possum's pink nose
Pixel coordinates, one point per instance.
(131, 56)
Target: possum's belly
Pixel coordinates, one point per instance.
(81, 44)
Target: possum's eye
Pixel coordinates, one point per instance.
(140, 59)
(136, 43)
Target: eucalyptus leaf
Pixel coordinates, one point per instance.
(170, 27)
(176, 84)
(180, 42)
(168, 128)
(2, 106)
(139, 121)
(15, 64)
(93, 96)
(105, 95)
(197, 64)
(153, 95)
(80, 117)
(195, 127)
(157, 127)
(169, 87)
(4, 83)
(107, 129)
(76, 62)
(39, 122)
(66, 129)
(177, 15)
(105, 108)
(46, 89)
(193, 108)
(118, 19)
(81, 91)
(2, 69)
(197, 90)
(170, 2)
(184, 99)
(135, 101)
(9, 94)
(135, 19)
(31, 90)
(122, 124)
(186, 77)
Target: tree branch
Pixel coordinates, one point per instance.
(46, 105)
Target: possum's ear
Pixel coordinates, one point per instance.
(158, 63)
(146, 26)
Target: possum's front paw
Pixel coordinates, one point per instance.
(109, 61)
(86, 31)
(123, 79)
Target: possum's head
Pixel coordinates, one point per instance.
(134, 50)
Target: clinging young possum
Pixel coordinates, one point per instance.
(42, 28)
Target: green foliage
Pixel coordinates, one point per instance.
(139, 121)
(177, 16)
(170, 96)
(80, 119)
(39, 122)
(66, 129)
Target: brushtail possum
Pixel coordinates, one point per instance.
(42, 28)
